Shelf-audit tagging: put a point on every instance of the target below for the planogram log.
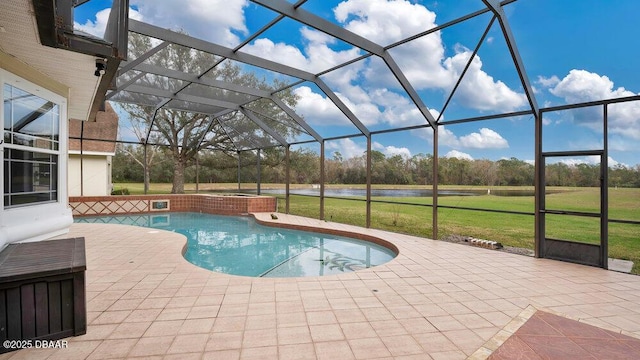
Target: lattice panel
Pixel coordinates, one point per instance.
(211, 204)
(108, 207)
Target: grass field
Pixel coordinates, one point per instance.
(510, 229)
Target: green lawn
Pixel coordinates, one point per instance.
(509, 229)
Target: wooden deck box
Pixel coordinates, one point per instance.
(42, 290)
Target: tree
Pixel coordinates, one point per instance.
(422, 166)
(484, 172)
(454, 171)
(137, 154)
(305, 166)
(515, 172)
(124, 165)
(377, 166)
(334, 169)
(184, 128)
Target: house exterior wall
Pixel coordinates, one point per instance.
(96, 175)
(35, 221)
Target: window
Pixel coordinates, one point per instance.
(31, 148)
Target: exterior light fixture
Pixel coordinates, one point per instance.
(101, 67)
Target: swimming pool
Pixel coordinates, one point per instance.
(240, 246)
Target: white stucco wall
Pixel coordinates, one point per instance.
(96, 171)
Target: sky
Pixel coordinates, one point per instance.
(573, 51)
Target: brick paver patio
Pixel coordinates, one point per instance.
(435, 300)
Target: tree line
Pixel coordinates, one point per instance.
(222, 167)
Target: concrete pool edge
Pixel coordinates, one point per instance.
(350, 234)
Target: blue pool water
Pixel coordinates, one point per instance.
(240, 246)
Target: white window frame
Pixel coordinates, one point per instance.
(61, 152)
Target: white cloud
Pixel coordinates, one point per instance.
(423, 60)
(318, 110)
(485, 139)
(346, 147)
(548, 82)
(315, 57)
(98, 26)
(612, 162)
(446, 137)
(392, 19)
(366, 111)
(591, 160)
(582, 86)
(402, 151)
(423, 133)
(385, 22)
(396, 110)
(316, 37)
(286, 54)
(573, 162)
(199, 18)
(624, 144)
(478, 89)
(349, 149)
(624, 119)
(392, 150)
(458, 155)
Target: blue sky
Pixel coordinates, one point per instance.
(573, 51)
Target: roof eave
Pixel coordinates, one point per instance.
(55, 29)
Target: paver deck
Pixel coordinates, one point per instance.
(549, 336)
(434, 300)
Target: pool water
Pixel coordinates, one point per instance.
(240, 246)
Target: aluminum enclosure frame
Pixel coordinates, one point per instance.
(287, 10)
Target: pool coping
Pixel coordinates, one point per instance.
(351, 234)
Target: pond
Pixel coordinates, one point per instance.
(400, 192)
